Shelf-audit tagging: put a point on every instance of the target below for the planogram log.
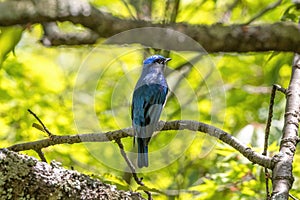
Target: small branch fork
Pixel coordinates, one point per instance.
(43, 128)
(267, 132)
(132, 169)
(162, 126)
(118, 141)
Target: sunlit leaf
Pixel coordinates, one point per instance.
(9, 38)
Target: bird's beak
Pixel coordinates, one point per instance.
(167, 60)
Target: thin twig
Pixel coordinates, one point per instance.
(280, 89)
(269, 121)
(270, 115)
(268, 196)
(41, 155)
(267, 132)
(128, 8)
(171, 11)
(130, 165)
(265, 10)
(40, 121)
(292, 197)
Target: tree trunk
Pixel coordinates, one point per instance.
(283, 170)
(24, 177)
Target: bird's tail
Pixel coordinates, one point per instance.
(142, 160)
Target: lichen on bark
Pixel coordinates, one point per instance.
(24, 177)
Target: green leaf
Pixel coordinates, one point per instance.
(39, 127)
(290, 14)
(9, 38)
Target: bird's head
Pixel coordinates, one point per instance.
(156, 60)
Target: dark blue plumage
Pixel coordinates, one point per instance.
(148, 99)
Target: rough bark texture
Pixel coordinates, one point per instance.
(213, 38)
(283, 172)
(24, 177)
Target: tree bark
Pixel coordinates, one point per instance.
(282, 177)
(213, 38)
(24, 177)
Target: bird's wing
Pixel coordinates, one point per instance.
(147, 105)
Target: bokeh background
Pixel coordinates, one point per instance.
(84, 89)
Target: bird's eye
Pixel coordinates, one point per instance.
(160, 61)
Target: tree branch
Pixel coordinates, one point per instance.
(282, 177)
(213, 38)
(162, 126)
(24, 177)
(267, 132)
(53, 36)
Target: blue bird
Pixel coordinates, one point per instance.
(148, 100)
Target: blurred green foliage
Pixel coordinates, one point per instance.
(88, 88)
